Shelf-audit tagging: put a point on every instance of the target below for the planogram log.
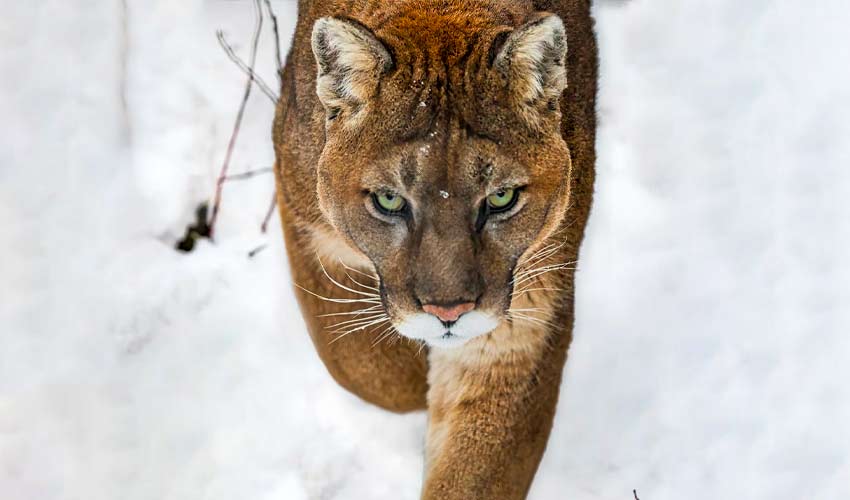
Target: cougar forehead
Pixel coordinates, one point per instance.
(423, 59)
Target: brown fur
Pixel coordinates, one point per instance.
(491, 402)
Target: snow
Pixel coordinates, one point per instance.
(711, 346)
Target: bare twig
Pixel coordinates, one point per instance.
(279, 60)
(635, 494)
(248, 174)
(248, 70)
(265, 226)
(253, 253)
(237, 125)
(276, 38)
(253, 78)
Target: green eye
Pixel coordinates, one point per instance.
(389, 203)
(502, 200)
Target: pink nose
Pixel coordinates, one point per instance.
(449, 314)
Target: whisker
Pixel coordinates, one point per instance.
(352, 313)
(530, 309)
(396, 339)
(548, 266)
(388, 332)
(543, 253)
(357, 320)
(532, 319)
(337, 283)
(362, 319)
(355, 281)
(345, 334)
(341, 301)
(370, 276)
(359, 328)
(530, 280)
(525, 282)
(523, 291)
(539, 271)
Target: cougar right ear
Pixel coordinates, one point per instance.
(350, 60)
(533, 60)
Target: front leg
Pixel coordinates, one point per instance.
(491, 405)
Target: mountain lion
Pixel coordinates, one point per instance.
(435, 166)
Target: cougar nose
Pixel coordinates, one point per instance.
(449, 314)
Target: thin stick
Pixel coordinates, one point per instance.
(276, 38)
(265, 225)
(253, 253)
(248, 174)
(248, 70)
(237, 125)
(279, 60)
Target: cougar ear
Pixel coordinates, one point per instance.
(533, 60)
(350, 63)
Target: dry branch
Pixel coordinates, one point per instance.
(248, 70)
(248, 174)
(253, 78)
(253, 253)
(238, 123)
(264, 227)
(276, 38)
(279, 61)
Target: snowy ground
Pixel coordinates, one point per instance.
(711, 352)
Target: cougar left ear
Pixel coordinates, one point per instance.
(533, 60)
(350, 60)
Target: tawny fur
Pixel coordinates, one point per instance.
(490, 402)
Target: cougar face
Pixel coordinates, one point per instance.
(443, 162)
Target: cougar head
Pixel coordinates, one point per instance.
(444, 162)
